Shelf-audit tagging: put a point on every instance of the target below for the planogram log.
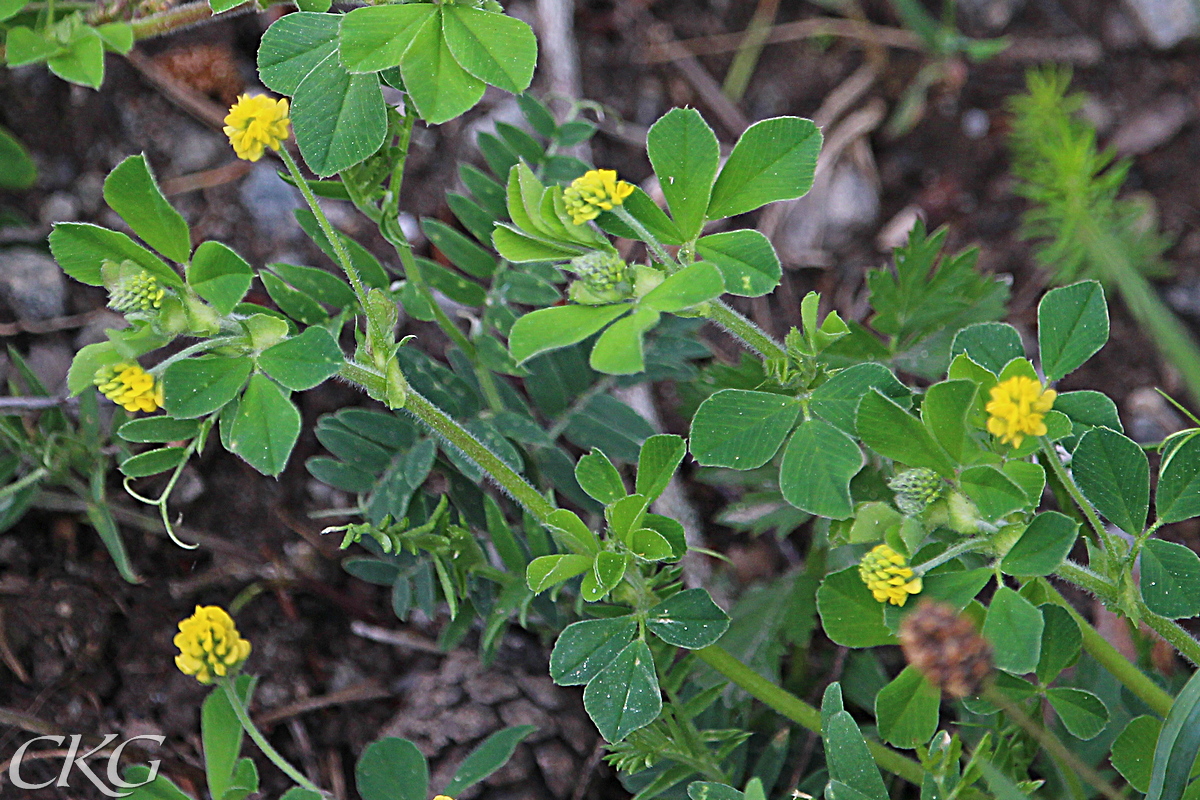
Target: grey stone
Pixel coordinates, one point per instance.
(1165, 23)
(558, 767)
(59, 207)
(1152, 127)
(50, 359)
(195, 148)
(991, 16)
(270, 201)
(523, 712)
(31, 283)
(1151, 418)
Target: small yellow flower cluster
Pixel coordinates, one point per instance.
(209, 645)
(129, 386)
(256, 122)
(140, 292)
(1018, 408)
(595, 191)
(887, 574)
(443, 797)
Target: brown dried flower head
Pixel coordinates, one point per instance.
(946, 648)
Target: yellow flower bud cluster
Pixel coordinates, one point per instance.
(129, 386)
(595, 191)
(887, 574)
(1018, 408)
(256, 122)
(139, 292)
(209, 645)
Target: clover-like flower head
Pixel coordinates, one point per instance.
(209, 645)
(139, 292)
(129, 386)
(595, 191)
(888, 575)
(1018, 409)
(256, 122)
(915, 489)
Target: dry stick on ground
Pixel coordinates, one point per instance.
(50, 325)
(672, 50)
(192, 102)
(737, 78)
(358, 693)
(726, 112)
(560, 60)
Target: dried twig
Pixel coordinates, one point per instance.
(19, 404)
(394, 637)
(671, 50)
(728, 114)
(358, 693)
(50, 325)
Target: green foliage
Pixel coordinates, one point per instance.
(826, 428)
(1083, 228)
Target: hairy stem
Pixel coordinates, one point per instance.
(335, 239)
(1051, 743)
(741, 328)
(256, 736)
(445, 426)
(795, 709)
(1089, 512)
(1111, 659)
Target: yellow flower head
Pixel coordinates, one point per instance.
(209, 645)
(130, 386)
(443, 797)
(595, 191)
(887, 574)
(1018, 408)
(256, 122)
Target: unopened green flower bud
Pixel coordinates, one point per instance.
(915, 489)
(131, 289)
(602, 271)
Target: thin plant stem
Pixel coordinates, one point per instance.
(741, 328)
(1168, 629)
(951, 553)
(256, 736)
(335, 239)
(446, 427)
(20, 484)
(1072, 488)
(1171, 630)
(1111, 659)
(795, 709)
(1051, 743)
(652, 244)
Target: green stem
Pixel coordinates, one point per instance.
(445, 426)
(1050, 742)
(1111, 659)
(652, 244)
(256, 736)
(951, 553)
(1170, 630)
(795, 709)
(387, 218)
(18, 485)
(1089, 512)
(1087, 580)
(1170, 336)
(751, 335)
(335, 239)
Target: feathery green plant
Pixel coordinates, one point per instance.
(1083, 229)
